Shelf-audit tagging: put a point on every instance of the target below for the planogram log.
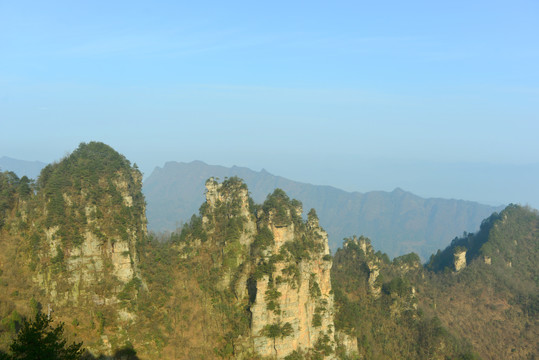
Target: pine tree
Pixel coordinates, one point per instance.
(40, 340)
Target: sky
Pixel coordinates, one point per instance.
(438, 98)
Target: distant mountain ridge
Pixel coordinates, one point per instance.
(22, 168)
(398, 222)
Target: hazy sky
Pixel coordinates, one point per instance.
(360, 95)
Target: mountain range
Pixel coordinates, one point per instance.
(397, 222)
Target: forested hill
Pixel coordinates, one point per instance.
(485, 286)
(478, 298)
(398, 222)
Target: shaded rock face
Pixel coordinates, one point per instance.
(373, 263)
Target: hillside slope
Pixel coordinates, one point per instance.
(486, 285)
(478, 297)
(377, 305)
(398, 222)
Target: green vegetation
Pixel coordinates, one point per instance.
(92, 193)
(500, 279)
(271, 297)
(212, 256)
(220, 259)
(422, 313)
(263, 239)
(507, 241)
(58, 260)
(93, 176)
(192, 293)
(314, 288)
(280, 209)
(39, 339)
(411, 259)
(274, 331)
(8, 188)
(301, 248)
(387, 325)
(191, 230)
(13, 191)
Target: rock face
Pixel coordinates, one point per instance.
(72, 238)
(459, 259)
(296, 296)
(348, 344)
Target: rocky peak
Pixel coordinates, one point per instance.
(274, 264)
(93, 216)
(75, 233)
(292, 307)
(229, 226)
(227, 210)
(232, 192)
(364, 250)
(362, 243)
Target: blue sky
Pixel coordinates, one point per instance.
(359, 95)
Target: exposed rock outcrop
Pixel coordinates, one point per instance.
(295, 295)
(274, 262)
(459, 259)
(347, 343)
(373, 262)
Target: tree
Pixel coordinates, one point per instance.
(274, 331)
(126, 353)
(40, 340)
